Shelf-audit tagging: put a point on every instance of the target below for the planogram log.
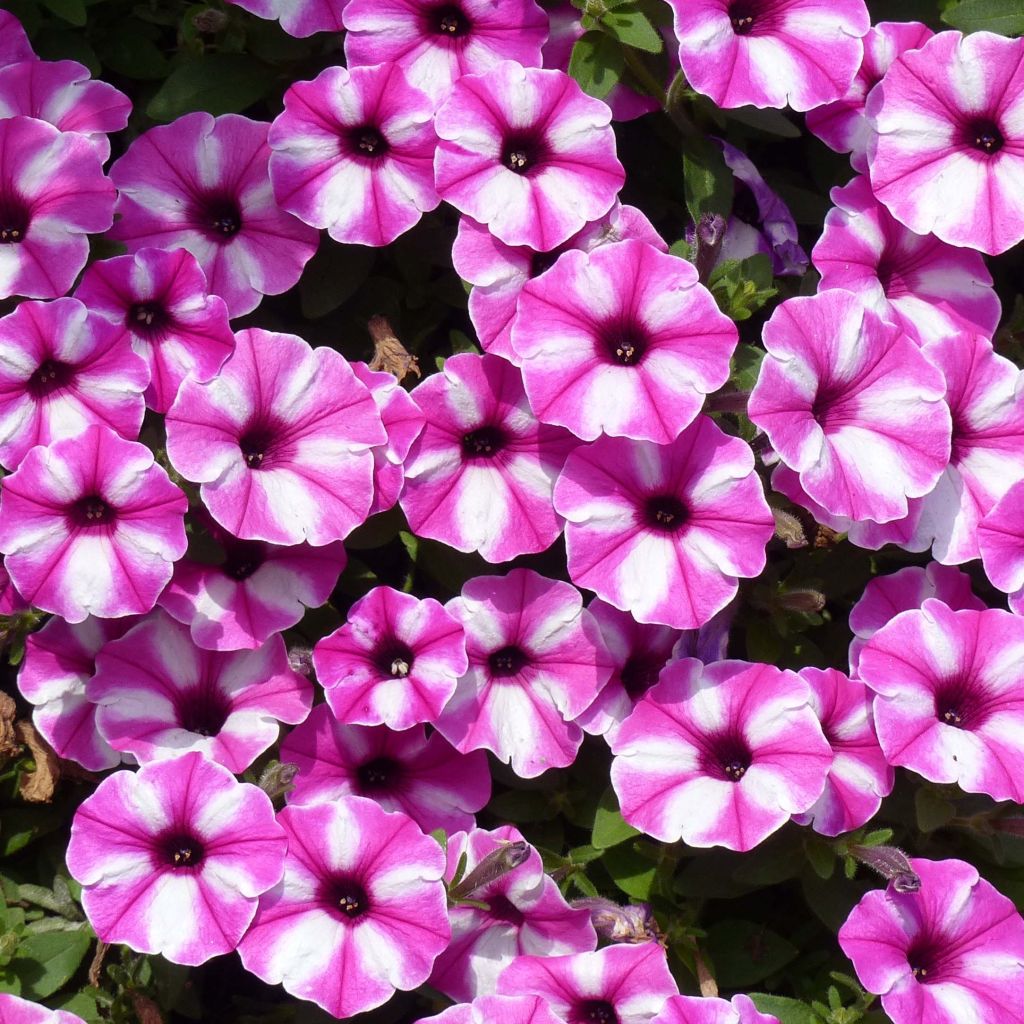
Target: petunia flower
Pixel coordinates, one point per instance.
(720, 755)
(949, 953)
(712, 1010)
(11, 602)
(928, 289)
(53, 192)
(14, 44)
(91, 526)
(528, 153)
(523, 913)
(851, 404)
(172, 858)
(949, 704)
(480, 476)
(62, 93)
(770, 53)
(359, 913)
(485, 1010)
(202, 184)
(536, 661)
(947, 158)
(63, 368)
(1001, 541)
(394, 662)
(279, 441)
(353, 152)
(663, 531)
(402, 771)
(160, 299)
(14, 1009)
(437, 42)
(159, 695)
(298, 18)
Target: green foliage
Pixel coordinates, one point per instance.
(1003, 16)
(220, 83)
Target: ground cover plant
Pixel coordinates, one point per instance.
(512, 511)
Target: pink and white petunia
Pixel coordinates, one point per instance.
(663, 531)
(437, 43)
(14, 1009)
(720, 755)
(624, 983)
(280, 441)
(160, 298)
(353, 152)
(14, 44)
(172, 858)
(483, 1010)
(536, 662)
(860, 776)
(299, 18)
(403, 421)
(712, 1010)
(480, 476)
(11, 602)
(160, 695)
(949, 953)
(623, 340)
(885, 597)
(91, 526)
(526, 152)
(1001, 541)
(770, 53)
(948, 154)
(60, 659)
(949, 701)
(53, 193)
(843, 125)
(850, 403)
(62, 93)
(525, 915)
(360, 912)
(252, 592)
(403, 771)
(202, 184)
(498, 272)
(925, 287)
(62, 368)
(394, 662)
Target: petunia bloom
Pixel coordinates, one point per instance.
(663, 531)
(160, 299)
(1001, 541)
(202, 184)
(711, 1010)
(353, 152)
(14, 1009)
(91, 526)
(949, 703)
(360, 911)
(536, 661)
(299, 18)
(770, 53)
(483, 1010)
(947, 158)
(623, 340)
(528, 153)
(720, 755)
(172, 858)
(14, 44)
(279, 441)
(951, 952)
(53, 192)
(851, 404)
(159, 695)
(62, 368)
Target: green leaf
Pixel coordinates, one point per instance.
(610, 828)
(628, 23)
(47, 960)
(84, 1005)
(745, 952)
(597, 63)
(742, 287)
(583, 884)
(1003, 16)
(630, 870)
(746, 366)
(333, 276)
(21, 825)
(707, 180)
(932, 810)
(769, 121)
(72, 11)
(822, 858)
(219, 83)
(789, 1011)
(130, 51)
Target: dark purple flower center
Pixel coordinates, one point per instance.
(220, 216)
(594, 1011)
(522, 153)
(665, 512)
(931, 959)
(379, 774)
(202, 710)
(503, 909)
(483, 443)
(181, 851)
(148, 319)
(242, 558)
(347, 896)
(742, 17)
(49, 376)
(507, 661)
(640, 673)
(623, 344)
(367, 141)
(830, 408)
(745, 207)
(450, 20)
(394, 658)
(14, 219)
(91, 511)
(984, 135)
(727, 757)
(257, 445)
(961, 703)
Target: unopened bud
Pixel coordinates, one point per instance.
(210, 21)
(631, 923)
(803, 599)
(494, 866)
(891, 863)
(789, 529)
(278, 778)
(300, 659)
